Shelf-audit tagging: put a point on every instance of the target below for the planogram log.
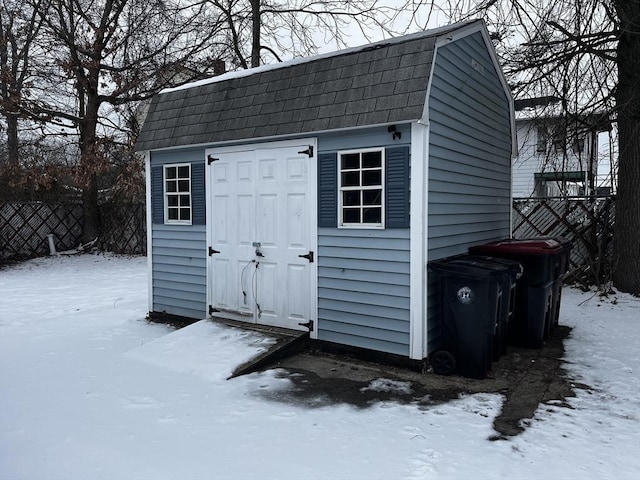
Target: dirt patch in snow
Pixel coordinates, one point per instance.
(527, 379)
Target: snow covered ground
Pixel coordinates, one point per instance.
(89, 390)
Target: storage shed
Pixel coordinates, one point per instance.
(311, 194)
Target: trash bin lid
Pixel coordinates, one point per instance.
(548, 246)
(463, 266)
(513, 266)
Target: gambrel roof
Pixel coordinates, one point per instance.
(380, 83)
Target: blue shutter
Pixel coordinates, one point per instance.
(328, 189)
(157, 195)
(198, 196)
(397, 187)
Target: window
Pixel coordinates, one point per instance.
(578, 145)
(361, 188)
(541, 146)
(559, 146)
(177, 193)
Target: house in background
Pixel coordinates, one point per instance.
(311, 194)
(557, 156)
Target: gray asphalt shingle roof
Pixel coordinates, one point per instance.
(385, 82)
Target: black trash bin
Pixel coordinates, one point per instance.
(564, 259)
(469, 309)
(512, 272)
(540, 259)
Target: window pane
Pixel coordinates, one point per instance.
(351, 215)
(185, 214)
(183, 185)
(171, 185)
(185, 200)
(172, 200)
(173, 214)
(351, 179)
(183, 172)
(371, 159)
(350, 161)
(372, 177)
(170, 172)
(351, 198)
(372, 215)
(372, 197)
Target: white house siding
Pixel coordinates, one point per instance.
(469, 157)
(529, 161)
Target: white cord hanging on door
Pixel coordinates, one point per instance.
(254, 282)
(254, 285)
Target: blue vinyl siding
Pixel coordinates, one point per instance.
(179, 270)
(469, 158)
(363, 274)
(363, 288)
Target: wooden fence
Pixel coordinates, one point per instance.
(25, 226)
(587, 222)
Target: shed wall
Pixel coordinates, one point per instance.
(179, 271)
(469, 157)
(363, 274)
(363, 288)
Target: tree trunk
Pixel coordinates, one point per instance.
(13, 156)
(91, 215)
(255, 33)
(626, 275)
(90, 161)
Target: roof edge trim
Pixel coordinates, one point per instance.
(272, 138)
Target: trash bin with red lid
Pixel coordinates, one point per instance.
(534, 311)
(469, 309)
(565, 259)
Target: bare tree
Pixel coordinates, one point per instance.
(104, 55)
(259, 31)
(587, 54)
(19, 27)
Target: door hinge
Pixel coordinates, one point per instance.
(212, 310)
(211, 159)
(308, 151)
(308, 325)
(212, 251)
(308, 256)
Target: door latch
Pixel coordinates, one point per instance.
(308, 325)
(308, 256)
(308, 151)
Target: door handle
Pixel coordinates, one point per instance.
(308, 256)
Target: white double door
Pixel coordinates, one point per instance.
(262, 232)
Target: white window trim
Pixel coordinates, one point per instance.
(363, 226)
(166, 194)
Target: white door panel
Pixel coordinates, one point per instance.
(262, 219)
